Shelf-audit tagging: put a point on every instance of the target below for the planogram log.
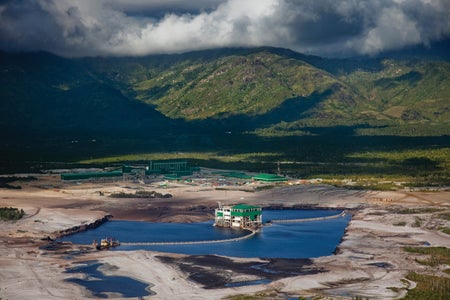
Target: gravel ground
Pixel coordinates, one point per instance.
(370, 261)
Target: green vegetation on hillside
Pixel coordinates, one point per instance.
(400, 98)
(267, 91)
(407, 98)
(239, 84)
(368, 120)
(407, 92)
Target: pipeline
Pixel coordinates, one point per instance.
(342, 214)
(252, 232)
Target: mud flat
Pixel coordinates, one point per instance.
(370, 261)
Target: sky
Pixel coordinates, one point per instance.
(332, 28)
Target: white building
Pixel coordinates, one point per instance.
(240, 216)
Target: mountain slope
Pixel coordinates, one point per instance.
(407, 91)
(45, 93)
(266, 90)
(239, 84)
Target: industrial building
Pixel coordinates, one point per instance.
(167, 166)
(172, 169)
(269, 178)
(240, 216)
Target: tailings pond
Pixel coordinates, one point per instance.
(280, 240)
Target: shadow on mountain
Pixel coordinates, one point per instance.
(410, 78)
(289, 111)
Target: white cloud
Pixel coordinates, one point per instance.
(139, 27)
(393, 30)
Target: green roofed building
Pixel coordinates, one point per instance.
(173, 168)
(241, 216)
(167, 166)
(269, 177)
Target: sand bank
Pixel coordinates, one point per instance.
(370, 261)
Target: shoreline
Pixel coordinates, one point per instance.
(369, 257)
(81, 228)
(249, 231)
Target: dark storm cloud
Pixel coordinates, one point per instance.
(139, 27)
(157, 10)
(161, 8)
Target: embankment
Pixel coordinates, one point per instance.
(80, 228)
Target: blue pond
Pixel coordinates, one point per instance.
(289, 240)
(100, 284)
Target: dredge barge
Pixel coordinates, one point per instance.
(105, 243)
(239, 216)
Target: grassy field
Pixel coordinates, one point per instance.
(379, 162)
(430, 286)
(384, 166)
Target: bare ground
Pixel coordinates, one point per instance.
(370, 261)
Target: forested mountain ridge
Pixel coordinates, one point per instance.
(268, 91)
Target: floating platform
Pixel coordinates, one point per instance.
(239, 216)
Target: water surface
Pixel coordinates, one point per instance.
(100, 285)
(291, 240)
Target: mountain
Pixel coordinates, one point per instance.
(48, 94)
(267, 91)
(277, 91)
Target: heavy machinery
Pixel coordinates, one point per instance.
(105, 243)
